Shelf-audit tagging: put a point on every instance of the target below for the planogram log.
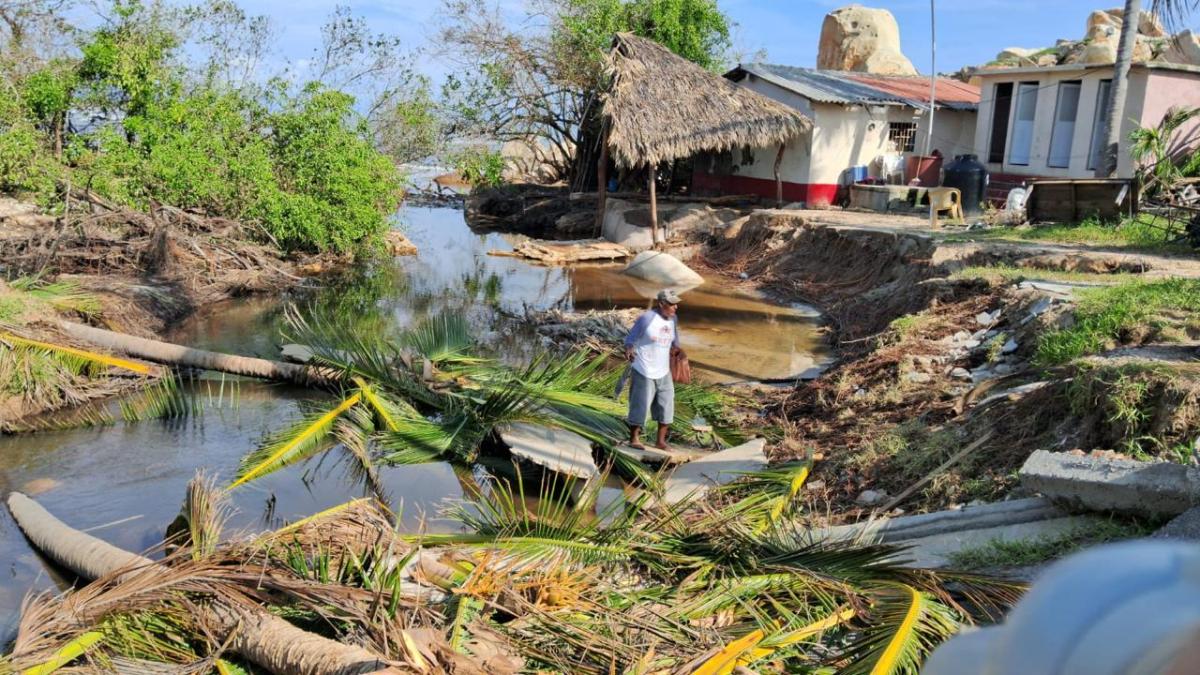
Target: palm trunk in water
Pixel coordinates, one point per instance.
(264, 639)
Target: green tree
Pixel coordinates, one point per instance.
(336, 189)
(543, 86)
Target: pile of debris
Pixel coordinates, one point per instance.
(150, 268)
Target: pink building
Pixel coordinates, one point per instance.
(1047, 121)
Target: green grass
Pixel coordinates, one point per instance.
(1012, 274)
(1144, 233)
(1103, 316)
(1022, 552)
(11, 308)
(908, 324)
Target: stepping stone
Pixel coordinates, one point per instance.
(556, 449)
(694, 479)
(653, 455)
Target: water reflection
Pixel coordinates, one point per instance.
(730, 336)
(128, 481)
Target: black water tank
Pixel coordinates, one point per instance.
(971, 178)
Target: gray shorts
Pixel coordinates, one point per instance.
(654, 396)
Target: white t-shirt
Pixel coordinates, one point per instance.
(652, 339)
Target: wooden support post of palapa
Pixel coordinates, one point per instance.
(958, 457)
(602, 181)
(654, 205)
(778, 179)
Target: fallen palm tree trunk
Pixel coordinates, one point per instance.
(264, 639)
(178, 355)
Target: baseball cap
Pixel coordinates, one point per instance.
(668, 296)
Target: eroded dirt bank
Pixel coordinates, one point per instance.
(125, 270)
(935, 355)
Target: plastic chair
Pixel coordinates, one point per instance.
(945, 199)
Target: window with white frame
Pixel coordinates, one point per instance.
(1097, 149)
(1063, 133)
(903, 136)
(1021, 145)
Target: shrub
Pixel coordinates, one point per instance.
(341, 188)
(479, 166)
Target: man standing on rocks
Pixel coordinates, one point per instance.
(649, 346)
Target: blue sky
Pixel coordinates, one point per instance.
(970, 32)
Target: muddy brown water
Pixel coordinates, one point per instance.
(126, 482)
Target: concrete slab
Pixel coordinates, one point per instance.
(556, 449)
(1101, 484)
(653, 455)
(935, 551)
(982, 516)
(695, 478)
(1184, 526)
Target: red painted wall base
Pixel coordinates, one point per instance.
(812, 194)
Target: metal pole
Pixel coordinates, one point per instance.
(932, 76)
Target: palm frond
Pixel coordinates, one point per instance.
(764, 498)
(337, 344)
(502, 519)
(905, 625)
(353, 432)
(206, 509)
(726, 659)
(164, 399)
(294, 444)
(68, 653)
(440, 337)
(78, 358)
(789, 637)
(61, 295)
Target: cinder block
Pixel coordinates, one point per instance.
(1099, 484)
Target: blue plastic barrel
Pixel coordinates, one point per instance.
(858, 174)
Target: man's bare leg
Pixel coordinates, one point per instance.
(663, 430)
(635, 437)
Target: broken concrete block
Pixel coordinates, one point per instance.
(663, 269)
(1101, 484)
(694, 479)
(556, 449)
(1184, 526)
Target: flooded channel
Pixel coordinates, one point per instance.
(125, 483)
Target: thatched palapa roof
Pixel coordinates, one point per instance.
(662, 107)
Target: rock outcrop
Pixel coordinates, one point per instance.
(862, 39)
(1099, 45)
(1183, 48)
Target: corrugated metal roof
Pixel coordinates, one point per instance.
(832, 86)
(953, 94)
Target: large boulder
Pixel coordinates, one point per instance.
(1103, 34)
(862, 39)
(663, 269)
(1184, 48)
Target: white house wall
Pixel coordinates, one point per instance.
(1044, 121)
